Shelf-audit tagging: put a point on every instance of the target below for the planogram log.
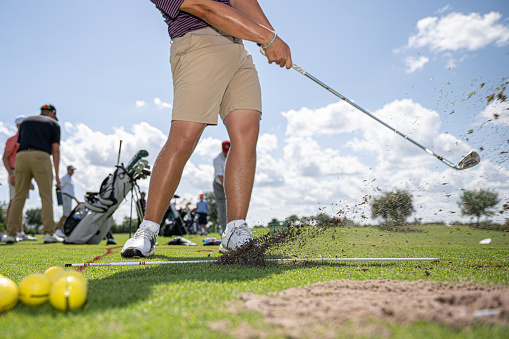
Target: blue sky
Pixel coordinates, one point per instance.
(414, 64)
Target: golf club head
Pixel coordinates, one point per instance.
(470, 160)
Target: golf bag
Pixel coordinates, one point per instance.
(90, 221)
(182, 223)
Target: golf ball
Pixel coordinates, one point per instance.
(8, 294)
(34, 289)
(67, 293)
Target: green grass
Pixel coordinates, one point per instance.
(178, 301)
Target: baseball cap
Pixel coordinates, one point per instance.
(201, 195)
(71, 167)
(226, 146)
(49, 107)
(19, 119)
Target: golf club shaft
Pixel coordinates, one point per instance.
(138, 263)
(119, 149)
(304, 72)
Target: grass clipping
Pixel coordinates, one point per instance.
(281, 244)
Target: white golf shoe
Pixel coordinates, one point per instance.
(51, 239)
(9, 240)
(25, 237)
(142, 243)
(236, 234)
(60, 233)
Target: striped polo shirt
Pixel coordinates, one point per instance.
(179, 22)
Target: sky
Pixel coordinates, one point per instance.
(424, 67)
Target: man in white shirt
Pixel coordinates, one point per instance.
(218, 184)
(67, 187)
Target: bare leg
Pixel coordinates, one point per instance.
(243, 127)
(169, 165)
(61, 222)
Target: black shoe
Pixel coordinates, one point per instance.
(111, 242)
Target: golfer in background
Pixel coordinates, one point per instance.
(218, 184)
(9, 159)
(67, 187)
(213, 74)
(202, 208)
(39, 142)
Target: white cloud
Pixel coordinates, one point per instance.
(453, 35)
(208, 147)
(413, 64)
(497, 112)
(161, 104)
(459, 31)
(140, 103)
(443, 9)
(334, 118)
(7, 129)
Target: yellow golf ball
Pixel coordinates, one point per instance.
(34, 289)
(78, 275)
(67, 293)
(8, 294)
(52, 270)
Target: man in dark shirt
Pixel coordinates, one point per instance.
(39, 139)
(213, 74)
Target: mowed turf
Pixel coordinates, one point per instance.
(180, 300)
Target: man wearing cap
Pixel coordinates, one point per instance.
(218, 184)
(9, 158)
(202, 208)
(67, 188)
(39, 140)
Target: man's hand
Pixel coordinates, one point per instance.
(12, 179)
(57, 179)
(279, 52)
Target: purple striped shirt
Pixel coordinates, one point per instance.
(179, 22)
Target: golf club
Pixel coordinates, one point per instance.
(470, 160)
(134, 263)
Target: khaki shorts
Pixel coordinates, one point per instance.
(66, 204)
(213, 74)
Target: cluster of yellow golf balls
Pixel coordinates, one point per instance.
(65, 290)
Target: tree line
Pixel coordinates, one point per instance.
(393, 207)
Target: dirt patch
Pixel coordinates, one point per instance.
(318, 310)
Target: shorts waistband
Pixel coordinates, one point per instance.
(211, 31)
(29, 150)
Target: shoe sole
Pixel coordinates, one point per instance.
(134, 252)
(223, 249)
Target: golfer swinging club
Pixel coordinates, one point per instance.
(213, 74)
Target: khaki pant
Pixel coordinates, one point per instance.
(220, 203)
(36, 165)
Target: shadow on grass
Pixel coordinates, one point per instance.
(132, 286)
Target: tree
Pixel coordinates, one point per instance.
(33, 218)
(393, 206)
(3, 215)
(478, 203)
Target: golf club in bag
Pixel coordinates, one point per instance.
(469, 160)
(90, 221)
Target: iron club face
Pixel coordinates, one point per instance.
(470, 160)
